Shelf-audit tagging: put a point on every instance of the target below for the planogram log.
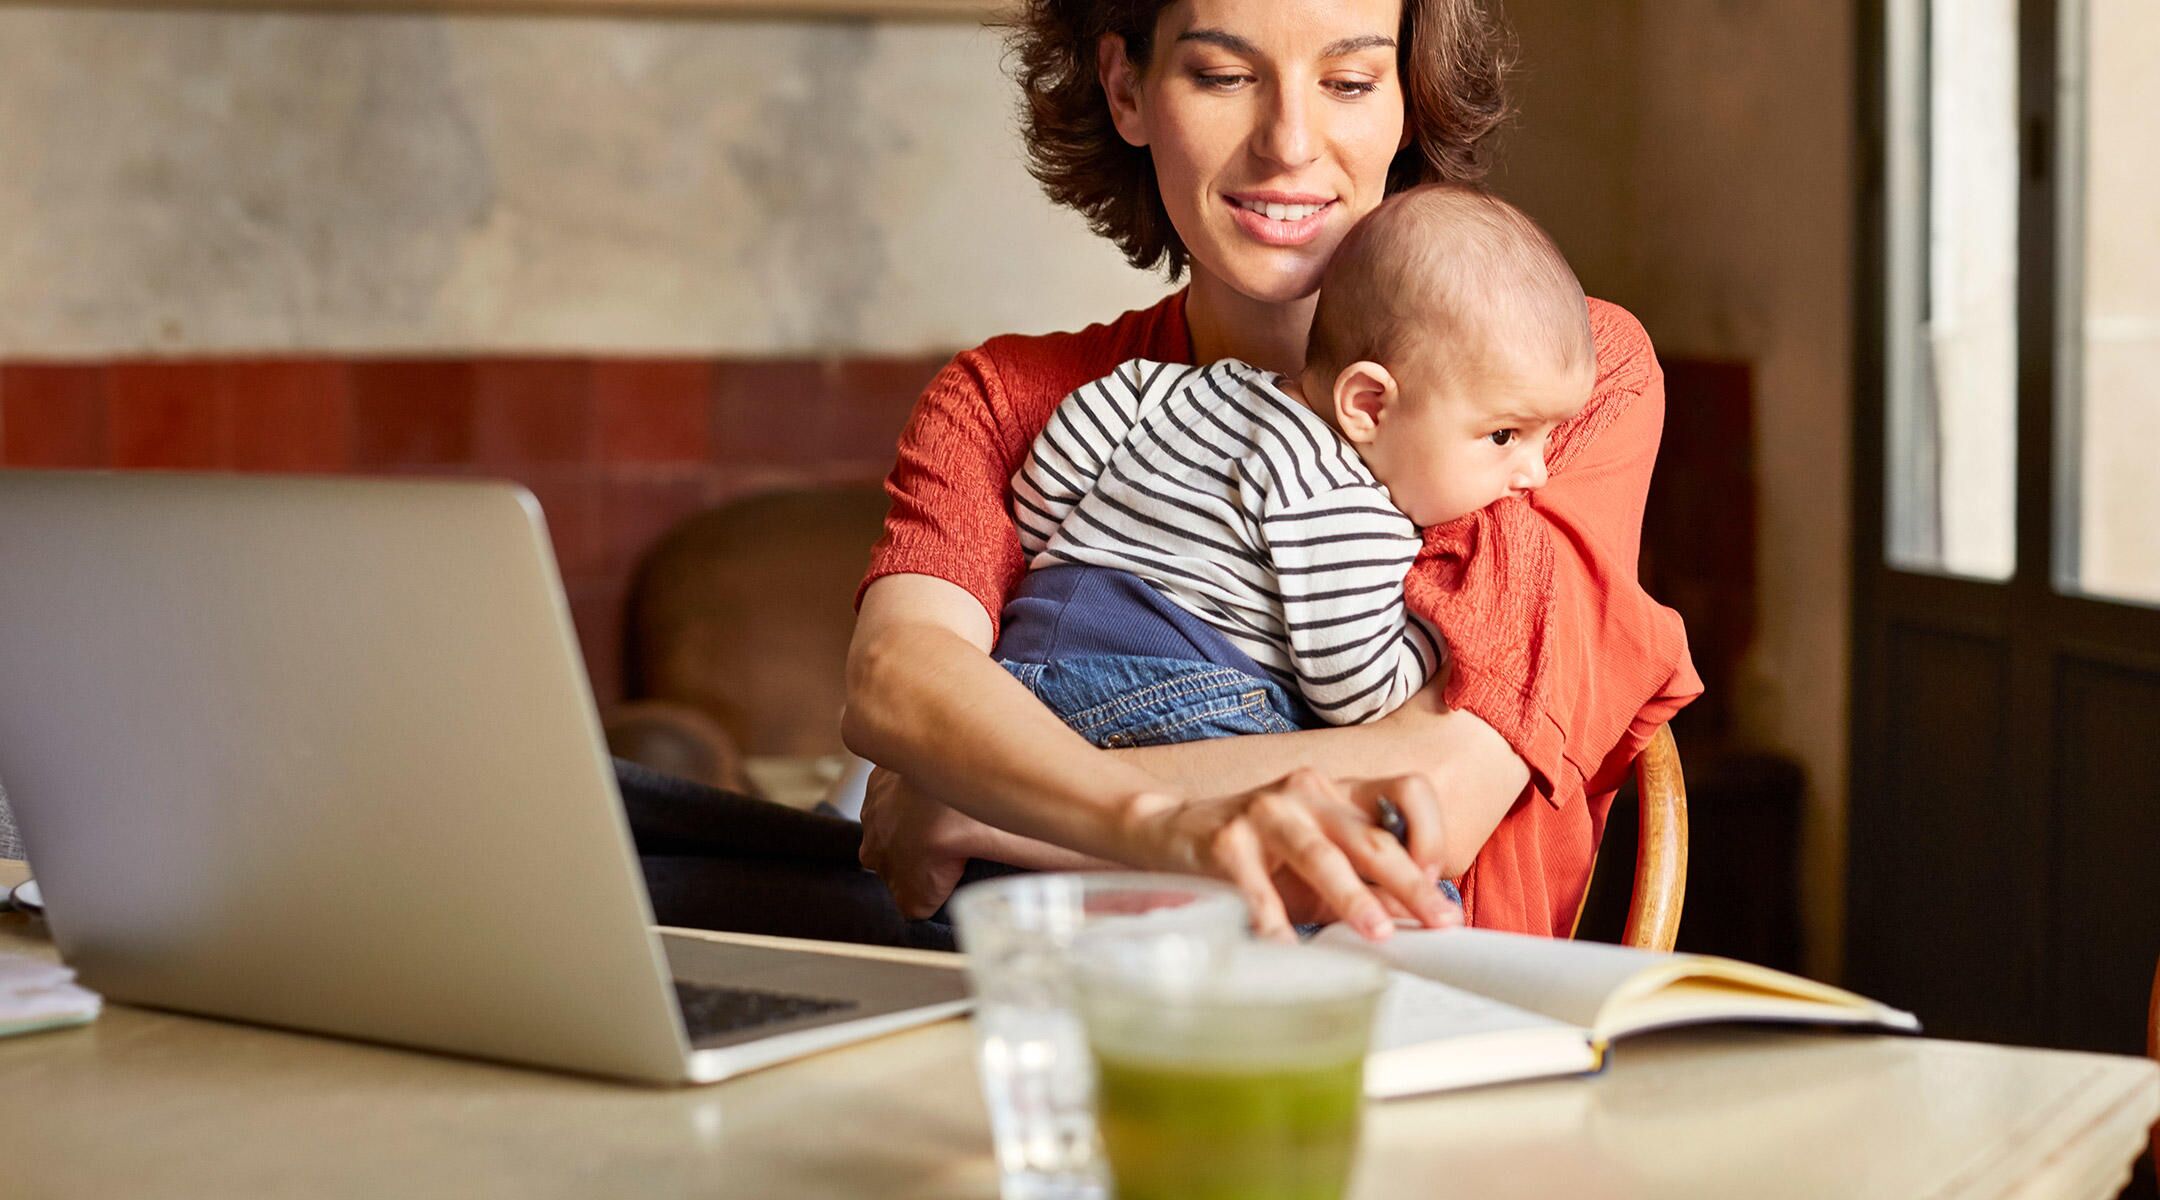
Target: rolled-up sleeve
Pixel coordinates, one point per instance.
(948, 488)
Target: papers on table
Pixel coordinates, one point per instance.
(36, 994)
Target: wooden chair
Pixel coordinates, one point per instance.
(736, 633)
(1653, 921)
(2152, 1049)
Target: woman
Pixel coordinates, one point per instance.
(1237, 140)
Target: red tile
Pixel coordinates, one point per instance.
(870, 402)
(769, 411)
(858, 473)
(596, 607)
(654, 410)
(52, 416)
(534, 410)
(165, 415)
(637, 510)
(738, 483)
(570, 501)
(411, 412)
(722, 486)
(886, 383)
(286, 414)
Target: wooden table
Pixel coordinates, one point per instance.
(145, 1104)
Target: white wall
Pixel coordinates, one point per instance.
(2119, 490)
(211, 182)
(1695, 159)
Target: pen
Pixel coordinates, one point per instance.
(1391, 819)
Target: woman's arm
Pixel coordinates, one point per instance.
(920, 845)
(926, 701)
(1471, 768)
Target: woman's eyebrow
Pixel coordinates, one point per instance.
(1237, 45)
(1351, 45)
(1220, 37)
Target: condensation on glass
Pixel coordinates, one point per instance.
(1952, 342)
(2107, 536)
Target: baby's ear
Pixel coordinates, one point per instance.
(1364, 392)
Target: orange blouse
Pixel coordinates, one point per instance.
(1554, 643)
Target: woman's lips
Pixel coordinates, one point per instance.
(1279, 233)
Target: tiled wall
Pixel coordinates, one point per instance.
(616, 450)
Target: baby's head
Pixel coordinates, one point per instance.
(1450, 339)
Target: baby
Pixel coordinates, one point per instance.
(1221, 550)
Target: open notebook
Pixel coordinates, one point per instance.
(1471, 1006)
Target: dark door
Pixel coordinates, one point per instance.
(2004, 836)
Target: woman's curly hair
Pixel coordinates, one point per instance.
(1454, 57)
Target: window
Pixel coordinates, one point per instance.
(2108, 359)
(1952, 342)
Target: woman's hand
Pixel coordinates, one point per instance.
(920, 846)
(916, 845)
(1307, 838)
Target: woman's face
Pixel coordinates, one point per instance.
(1272, 124)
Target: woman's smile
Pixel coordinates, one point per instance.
(1271, 125)
(1280, 218)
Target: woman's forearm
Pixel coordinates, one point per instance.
(926, 701)
(1476, 774)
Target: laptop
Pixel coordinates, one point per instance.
(321, 754)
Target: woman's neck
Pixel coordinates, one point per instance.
(1226, 323)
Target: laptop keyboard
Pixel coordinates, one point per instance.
(714, 1011)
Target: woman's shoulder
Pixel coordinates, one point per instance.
(1629, 381)
(1626, 362)
(1035, 371)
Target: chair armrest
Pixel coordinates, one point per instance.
(1661, 852)
(676, 739)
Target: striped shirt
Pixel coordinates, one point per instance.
(1244, 508)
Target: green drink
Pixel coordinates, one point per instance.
(1187, 1133)
(1237, 1079)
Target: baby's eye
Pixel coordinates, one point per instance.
(1501, 437)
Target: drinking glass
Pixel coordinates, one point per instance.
(1232, 1076)
(1038, 1081)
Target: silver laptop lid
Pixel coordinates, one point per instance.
(322, 754)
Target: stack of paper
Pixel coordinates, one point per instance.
(35, 994)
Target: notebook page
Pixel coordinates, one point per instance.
(1561, 980)
(1416, 1010)
(1431, 1037)
(1695, 999)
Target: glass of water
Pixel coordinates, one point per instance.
(1038, 1080)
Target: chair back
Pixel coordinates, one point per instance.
(1653, 921)
(1661, 850)
(743, 612)
(2152, 1049)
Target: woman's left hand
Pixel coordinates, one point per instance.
(918, 846)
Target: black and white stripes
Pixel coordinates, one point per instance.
(1242, 506)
